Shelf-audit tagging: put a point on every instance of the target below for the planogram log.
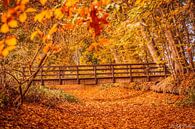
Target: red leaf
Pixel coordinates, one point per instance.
(6, 2)
(96, 23)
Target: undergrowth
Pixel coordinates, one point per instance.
(109, 85)
(7, 96)
(48, 97)
(190, 98)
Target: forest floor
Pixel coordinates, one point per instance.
(103, 107)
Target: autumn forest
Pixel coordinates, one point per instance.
(97, 64)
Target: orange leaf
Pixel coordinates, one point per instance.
(68, 26)
(20, 7)
(46, 48)
(58, 13)
(30, 10)
(39, 17)
(13, 24)
(43, 2)
(1, 42)
(70, 3)
(23, 17)
(53, 29)
(4, 18)
(5, 28)
(11, 11)
(5, 52)
(1, 47)
(104, 41)
(33, 35)
(105, 2)
(11, 41)
(24, 1)
(11, 48)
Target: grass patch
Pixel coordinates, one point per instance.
(4, 100)
(143, 86)
(48, 97)
(189, 100)
(109, 85)
(7, 96)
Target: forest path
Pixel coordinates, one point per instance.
(106, 107)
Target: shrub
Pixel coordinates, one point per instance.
(4, 100)
(109, 85)
(189, 100)
(7, 96)
(48, 97)
(143, 86)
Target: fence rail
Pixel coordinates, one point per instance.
(112, 72)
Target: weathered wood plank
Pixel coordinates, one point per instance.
(97, 72)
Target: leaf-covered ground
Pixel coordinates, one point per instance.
(104, 107)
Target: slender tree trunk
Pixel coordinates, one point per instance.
(174, 52)
(151, 44)
(116, 55)
(19, 99)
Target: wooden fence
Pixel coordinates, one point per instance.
(95, 74)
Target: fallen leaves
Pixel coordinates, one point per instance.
(112, 107)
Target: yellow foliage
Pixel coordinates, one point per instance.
(1, 47)
(23, 17)
(1, 42)
(49, 14)
(20, 7)
(58, 14)
(30, 10)
(39, 17)
(106, 2)
(43, 2)
(13, 24)
(33, 35)
(53, 29)
(11, 41)
(5, 52)
(10, 48)
(5, 28)
(70, 3)
(24, 1)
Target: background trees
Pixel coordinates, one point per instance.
(38, 32)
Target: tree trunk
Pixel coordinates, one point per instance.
(174, 52)
(151, 44)
(19, 99)
(115, 54)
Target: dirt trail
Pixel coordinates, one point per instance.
(104, 107)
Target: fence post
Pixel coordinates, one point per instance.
(60, 75)
(113, 78)
(42, 81)
(95, 73)
(130, 73)
(77, 70)
(165, 71)
(148, 72)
